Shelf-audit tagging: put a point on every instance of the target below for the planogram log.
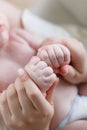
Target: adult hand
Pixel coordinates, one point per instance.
(77, 72)
(24, 107)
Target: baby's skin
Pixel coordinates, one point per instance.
(16, 49)
(49, 59)
(17, 52)
(41, 69)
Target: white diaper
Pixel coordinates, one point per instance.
(78, 111)
(40, 27)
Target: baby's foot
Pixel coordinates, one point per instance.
(40, 73)
(4, 29)
(57, 56)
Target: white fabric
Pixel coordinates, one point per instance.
(79, 109)
(40, 27)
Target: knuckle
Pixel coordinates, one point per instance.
(54, 76)
(21, 89)
(49, 70)
(45, 56)
(46, 114)
(11, 92)
(43, 63)
(34, 95)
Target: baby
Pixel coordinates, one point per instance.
(52, 57)
(75, 75)
(16, 52)
(58, 57)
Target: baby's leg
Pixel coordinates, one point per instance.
(57, 56)
(40, 73)
(4, 29)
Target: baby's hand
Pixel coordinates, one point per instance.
(40, 73)
(77, 69)
(57, 56)
(4, 29)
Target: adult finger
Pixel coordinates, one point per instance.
(35, 95)
(25, 102)
(13, 101)
(4, 108)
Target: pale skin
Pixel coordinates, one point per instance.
(44, 71)
(83, 77)
(15, 59)
(16, 43)
(64, 86)
(24, 96)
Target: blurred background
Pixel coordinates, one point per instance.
(71, 14)
(58, 11)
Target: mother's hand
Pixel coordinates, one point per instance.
(23, 107)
